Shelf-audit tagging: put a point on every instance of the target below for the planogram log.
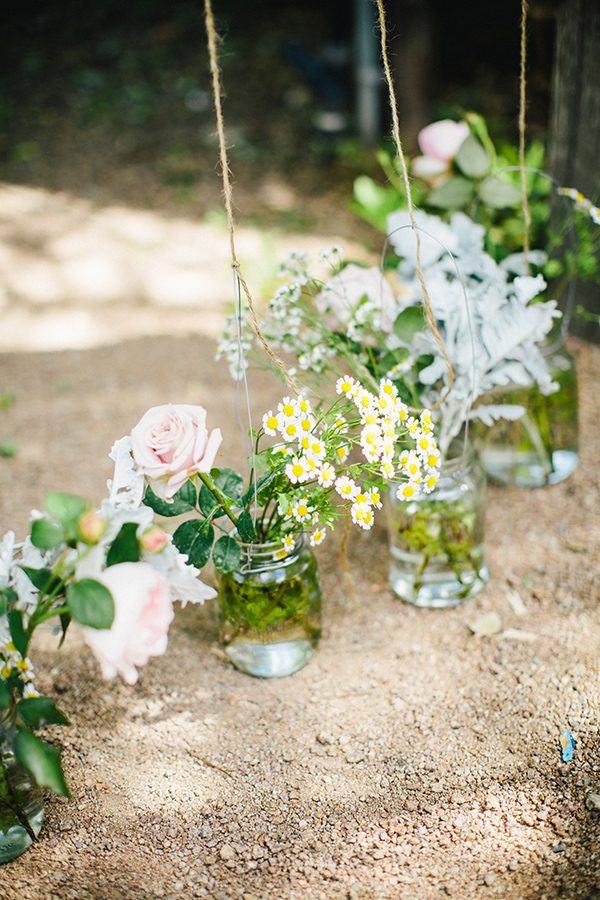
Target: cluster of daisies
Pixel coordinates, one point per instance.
(317, 450)
(12, 663)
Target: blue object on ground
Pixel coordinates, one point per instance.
(567, 743)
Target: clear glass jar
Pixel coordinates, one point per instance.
(21, 800)
(542, 447)
(437, 540)
(270, 609)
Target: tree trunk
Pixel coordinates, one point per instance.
(575, 120)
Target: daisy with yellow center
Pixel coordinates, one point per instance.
(406, 491)
(374, 498)
(317, 537)
(297, 471)
(388, 388)
(429, 483)
(326, 475)
(346, 487)
(316, 449)
(270, 423)
(387, 469)
(301, 511)
(342, 453)
(362, 514)
(345, 385)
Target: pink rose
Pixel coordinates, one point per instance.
(442, 140)
(171, 443)
(143, 613)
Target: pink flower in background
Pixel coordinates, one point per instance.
(170, 443)
(439, 142)
(143, 613)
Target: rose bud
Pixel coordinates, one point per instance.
(91, 527)
(154, 540)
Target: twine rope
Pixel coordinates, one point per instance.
(228, 193)
(522, 104)
(429, 315)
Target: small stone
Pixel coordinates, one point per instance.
(592, 801)
(489, 879)
(354, 756)
(325, 737)
(227, 852)
(288, 756)
(527, 819)
(513, 865)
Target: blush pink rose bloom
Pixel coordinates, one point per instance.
(443, 139)
(171, 443)
(143, 613)
(439, 142)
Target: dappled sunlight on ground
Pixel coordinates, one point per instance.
(74, 276)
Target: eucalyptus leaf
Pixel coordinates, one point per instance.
(65, 508)
(125, 547)
(472, 158)
(499, 194)
(226, 554)
(454, 193)
(191, 538)
(46, 535)
(91, 603)
(38, 711)
(408, 323)
(42, 760)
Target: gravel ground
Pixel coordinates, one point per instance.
(410, 759)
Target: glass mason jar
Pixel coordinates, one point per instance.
(270, 609)
(437, 539)
(542, 447)
(21, 800)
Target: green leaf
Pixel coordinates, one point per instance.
(226, 554)
(499, 194)
(208, 505)
(189, 538)
(245, 527)
(91, 603)
(42, 579)
(184, 501)
(8, 448)
(408, 323)
(5, 695)
(125, 547)
(262, 483)
(38, 711)
(374, 202)
(284, 502)
(65, 508)
(46, 534)
(472, 158)
(19, 636)
(230, 483)
(42, 760)
(454, 193)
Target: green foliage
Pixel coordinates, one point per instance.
(125, 547)
(38, 711)
(46, 535)
(91, 603)
(192, 538)
(8, 448)
(184, 501)
(66, 509)
(42, 760)
(19, 635)
(226, 554)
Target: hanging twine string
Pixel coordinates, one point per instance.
(396, 135)
(227, 192)
(522, 85)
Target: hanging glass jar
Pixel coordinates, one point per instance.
(269, 609)
(437, 539)
(21, 800)
(541, 447)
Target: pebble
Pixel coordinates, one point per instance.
(527, 819)
(227, 852)
(592, 801)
